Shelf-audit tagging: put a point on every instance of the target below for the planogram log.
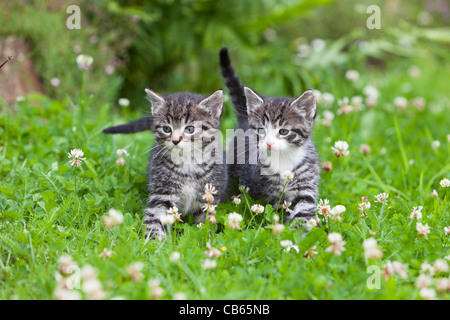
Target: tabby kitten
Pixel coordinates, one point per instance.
(186, 156)
(281, 133)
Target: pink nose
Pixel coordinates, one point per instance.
(269, 145)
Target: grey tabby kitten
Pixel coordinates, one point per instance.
(281, 142)
(187, 155)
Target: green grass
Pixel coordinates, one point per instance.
(39, 221)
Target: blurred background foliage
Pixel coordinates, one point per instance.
(279, 47)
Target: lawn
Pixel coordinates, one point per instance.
(56, 242)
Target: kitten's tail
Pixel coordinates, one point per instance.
(142, 124)
(234, 85)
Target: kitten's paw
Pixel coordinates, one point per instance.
(154, 232)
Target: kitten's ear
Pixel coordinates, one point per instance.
(306, 104)
(156, 100)
(213, 103)
(253, 100)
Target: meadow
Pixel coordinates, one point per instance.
(383, 135)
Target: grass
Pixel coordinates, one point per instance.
(39, 221)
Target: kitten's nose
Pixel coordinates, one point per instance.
(269, 145)
(175, 142)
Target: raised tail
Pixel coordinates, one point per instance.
(234, 85)
(142, 124)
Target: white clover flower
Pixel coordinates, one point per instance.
(109, 69)
(122, 152)
(310, 253)
(288, 176)
(77, 156)
(55, 82)
(324, 207)
(423, 281)
(66, 264)
(427, 294)
(257, 208)
(364, 149)
(318, 44)
(209, 264)
(371, 249)
(327, 99)
(123, 102)
(440, 265)
(394, 267)
(167, 219)
(337, 244)
(443, 284)
(105, 253)
(371, 92)
(417, 213)
(447, 231)
(445, 183)
(435, 144)
(233, 220)
(340, 149)
(175, 256)
(179, 296)
(345, 106)
(237, 200)
(155, 290)
(84, 61)
(382, 198)
(134, 271)
(426, 267)
(286, 243)
(312, 223)
(328, 117)
(401, 102)
(352, 75)
(212, 252)
(277, 228)
(335, 213)
(66, 294)
(114, 218)
(422, 230)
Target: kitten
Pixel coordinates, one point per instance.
(281, 139)
(187, 155)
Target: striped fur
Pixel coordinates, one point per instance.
(182, 163)
(294, 152)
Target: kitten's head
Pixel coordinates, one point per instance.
(182, 118)
(282, 124)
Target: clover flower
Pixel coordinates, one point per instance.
(212, 252)
(114, 218)
(176, 214)
(417, 213)
(352, 75)
(371, 249)
(236, 199)
(84, 62)
(77, 156)
(422, 230)
(324, 207)
(340, 149)
(175, 256)
(335, 213)
(105, 253)
(134, 271)
(209, 264)
(155, 290)
(233, 220)
(364, 149)
(382, 198)
(392, 268)
(445, 183)
(288, 176)
(257, 208)
(337, 244)
(310, 253)
(167, 219)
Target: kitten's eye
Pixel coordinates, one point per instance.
(283, 132)
(261, 131)
(189, 129)
(167, 129)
